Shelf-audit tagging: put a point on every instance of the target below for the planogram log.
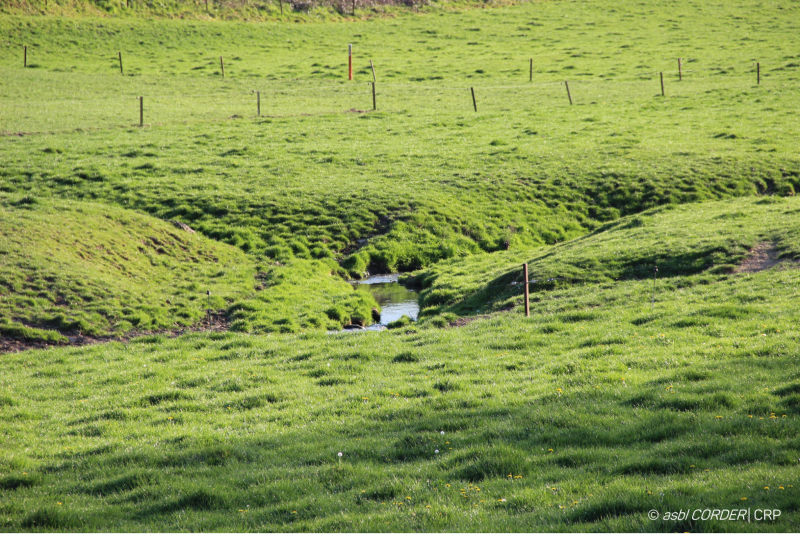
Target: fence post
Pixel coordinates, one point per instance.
(120, 63)
(374, 103)
(680, 72)
(527, 292)
(281, 7)
(349, 62)
(258, 102)
(374, 79)
(758, 73)
(531, 78)
(141, 111)
(222, 66)
(568, 93)
(25, 56)
(661, 74)
(474, 104)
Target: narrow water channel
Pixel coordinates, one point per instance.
(394, 299)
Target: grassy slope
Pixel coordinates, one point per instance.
(690, 239)
(237, 432)
(85, 267)
(76, 267)
(666, 408)
(441, 180)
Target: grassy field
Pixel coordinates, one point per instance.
(619, 395)
(578, 418)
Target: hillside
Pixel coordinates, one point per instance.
(82, 269)
(596, 141)
(708, 239)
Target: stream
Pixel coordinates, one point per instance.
(394, 299)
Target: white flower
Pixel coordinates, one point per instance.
(442, 432)
(437, 451)
(340, 453)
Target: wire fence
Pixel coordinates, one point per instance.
(302, 97)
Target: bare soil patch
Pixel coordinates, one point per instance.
(217, 322)
(763, 256)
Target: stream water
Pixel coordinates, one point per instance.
(394, 299)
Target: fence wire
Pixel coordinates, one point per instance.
(166, 108)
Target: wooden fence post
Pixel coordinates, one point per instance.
(120, 63)
(222, 66)
(374, 103)
(258, 102)
(474, 104)
(680, 71)
(374, 78)
(25, 56)
(661, 74)
(531, 77)
(758, 73)
(141, 111)
(527, 292)
(349, 62)
(568, 93)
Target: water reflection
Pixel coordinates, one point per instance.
(394, 299)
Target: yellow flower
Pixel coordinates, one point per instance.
(448, 485)
(781, 488)
(59, 503)
(744, 498)
(427, 507)
(549, 450)
(691, 466)
(295, 512)
(408, 497)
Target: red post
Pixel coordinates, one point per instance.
(349, 62)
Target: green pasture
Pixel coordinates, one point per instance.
(584, 417)
(620, 394)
